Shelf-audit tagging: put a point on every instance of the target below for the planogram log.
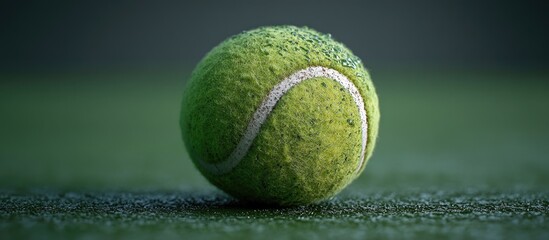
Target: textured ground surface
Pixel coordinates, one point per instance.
(160, 215)
(460, 155)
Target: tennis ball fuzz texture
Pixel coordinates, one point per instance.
(280, 115)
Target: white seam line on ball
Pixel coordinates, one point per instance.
(268, 104)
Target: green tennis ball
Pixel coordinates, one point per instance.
(280, 115)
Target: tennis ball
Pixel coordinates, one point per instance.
(280, 115)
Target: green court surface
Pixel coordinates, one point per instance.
(461, 154)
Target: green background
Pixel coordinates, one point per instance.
(460, 154)
(89, 105)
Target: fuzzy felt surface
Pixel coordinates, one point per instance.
(309, 145)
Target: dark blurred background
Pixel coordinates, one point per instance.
(90, 90)
(58, 35)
